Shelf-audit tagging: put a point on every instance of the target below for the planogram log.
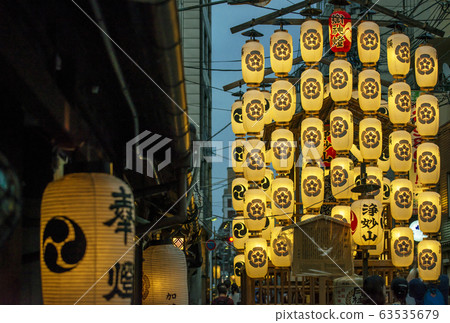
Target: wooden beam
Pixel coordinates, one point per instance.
(324, 21)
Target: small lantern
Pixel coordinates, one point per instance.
(238, 187)
(429, 212)
(379, 249)
(366, 222)
(283, 101)
(311, 90)
(281, 53)
(256, 258)
(216, 272)
(239, 266)
(426, 67)
(255, 209)
(384, 162)
(399, 103)
(311, 41)
(398, 55)
(237, 156)
(253, 111)
(283, 201)
(266, 183)
(340, 31)
(312, 187)
(254, 160)
(342, 177)
(402, 199)
(237, 123)
(240, 232)
(368, 43)
(252, 62)
(341, 81)
(386, 191)
(283, 148)
(270, 223)
(341, 129)
(312, 138)
(369, 90)
(341, 212)
(402, 247)
(375, 176)
(281, 248)
(400, 151)
(427, 115)
(267, 105)
(429, 256)
(370, 138)
(428, 163)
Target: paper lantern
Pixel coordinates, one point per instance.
(252, 62)
(281, 247)
(366, 222)
(308, 216)
(399, 103)
(427, 115)
(375, 176)
(216, 272)
(240, 232)
(402, 247)
(426, 67)
(266, 183)
(164, 276)
(386, 190)
(267, 105)
(311, 41)
(87, 224)
(283, 150)
(402, 199)
(268, 157)
(341, 129)
(428, 163)
(311, 86)
(268, 227)
(357, 177)
(368, 43)
(237, 123)
(255, 209)
(341, 81)
(253, 111)
(239, 266)
(429, 255)
(312, 187)
(281, 53)
(356, 153)
(283, 101)
(342, 177)
(370, 138)
(400, 151)
(369, 90)
(340, 31)
(283, 201)
(429, 212)
(312, 138)
(341, 212)
(398, 55)
(256, 258)
(254, 160)
(237, 155)
(383, 162)
(238, 187)
(379, 249)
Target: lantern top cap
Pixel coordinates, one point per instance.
(397, 26)
(339, 2)
(310, 12)
(426, 37)
(281, 22)
(252, 33)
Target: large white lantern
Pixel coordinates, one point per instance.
(267, 107)
(311, 41)
(429, 212)
(256, 257)
(87, 240)
(254, 160)
(342, 177)
(281, 53)
(311, 90)
(427, 115)
(283, 150)
(428, 163)
(366, 222)
(429, 256)
(237, 123)
(398, 55)
(312, 138)
(312, 187)
(283, 201)
(370, 138)
(399, 103)
(240, 232)
(400, 151)
(239, 266)
(252, 62)
(386, 190)
(369, 90)
(341, 212)
(281, 247)
(341, 129)
(402, 247)
(238, 188)
(283, 101)
(341, 81)
(368, 43)
(426, 67)
(401, 199)
(237, 155)
(255, 209)
(253, 111)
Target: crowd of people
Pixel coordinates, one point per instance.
(228, 294)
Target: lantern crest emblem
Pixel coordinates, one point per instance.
(238, 192)
(370, 137)
(339, 78)
(255, 110)
(257, 257)
(281, 247)
(427, 211)
(339, 176)
(239, 230)
(238, 268)
(312, 186)
(403, 198)
(369, 40)
(402, 150)
(255, 159)
(237, 115)
(403, 246)
(282, 100)
(311, 39)
(369, 88)
(265, 183)
(403, 101)
(282, 50)
(238, 153)
(256, 209)
(282, 198)
(427, 259)
(427, 162)
(339, 127)
(282, 148)
(254, 61)
(311, 89)
(372, 179)
(312, 137)
(426, 114)
(425, 64)
(402, 52)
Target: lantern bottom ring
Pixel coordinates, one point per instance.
(426, 89)
(369, 66)
(398, 78)
(281, 75)
(281, 125)
(340, 104)
(340, 55)
(313, 65)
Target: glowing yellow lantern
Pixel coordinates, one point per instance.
(379, 248)
(311, 41)
(400, 151)
(311, 90)
(238, 187)
(401, 199)
(342, 177)
(256, 257)
(368, 43)
(384, 163)
(267, 105)
(266, 183)
(398, 55)
(283, 201)
(253, 111)
(239, 266)
(216, 272)
(281, 53)
(369, 90)
(426, 67)
(281, 247)
(312, 139)
(283, 148)
(429, 212)
(429, 255)
(427, 115)
(312, 187)
(270, 223)
(252, 62)
(428, 163)
(240, 232)
(283, 101)
(159, 285)
(341, 212)
(386, 190)
(399, 103)
(375, 176)
(254, 160)
(308, 216)
(341, 81)
(237, 155)
(357, 177)
(87, 224)
(341, 129)
(370, 138)
(366, 222)
(255, 209)
(402, 247)
(237, 123)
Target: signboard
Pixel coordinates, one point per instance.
(210, 245)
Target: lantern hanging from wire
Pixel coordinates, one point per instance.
(357, 181)
(402, 247)
(283, 201)
(429, 211)
(283, 101)
(281, 53)
(281, 247)
(340, 31)
(366, 222)
(384, 162)
(311, 90)
(379, 249)
(240, 232)
(255, 209)
(266, 183)
(341, 212)
(238, 187)
(399, 103)
(341, 81)
(342, 177)
(312, 187)
(311, 41)
(252, 62)
(267, 105)
(428, 163)
(426, 67)
(368, 43)
(254, 160)
(239, 266)
(312, 139)
(386, 190)
(375, 177)
(253, 111)
(237, 156)
(400, 151)
(341, 129)
(398, 55)
(283, 150)
(256, 257)
(429, 256)
(370, 138)
(270, 223)
(369, 90)
(427, 115)
(237, 123)
(401, 199)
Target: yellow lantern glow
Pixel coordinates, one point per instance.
(427, 115)
(281, 53)
(399, 103)
(255, 209)
(283, 150)
(369, 90)
(281, 247)
(237, 123)
(428, 163)
(267, 105)
(161, 286)
(238, 265)
(312, 139)
(366, 222)
(357, 177)
(379, 248)
(254, 160)
(238, 188)
(341, 81)
(341, 212)
(216, 271)
(312, 187)
(240, 232)
(308, 216)
(402, 199)
(341, 129)
(368, 42)
(429, 212)
(375, 176)
(370, 138)
(283, 101)
(426, 67)
(311, 41)
(266, 183)
(400, 151)
(311, 90)
(384, 163)
(270, 223)
(256, 257)
(429, 255)
(87, 224)
(386, 191)
(402, 247)
(283, 201)
(398, 55)
(342, 177)
(253, 111)
(252, 62)
(237, 155)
